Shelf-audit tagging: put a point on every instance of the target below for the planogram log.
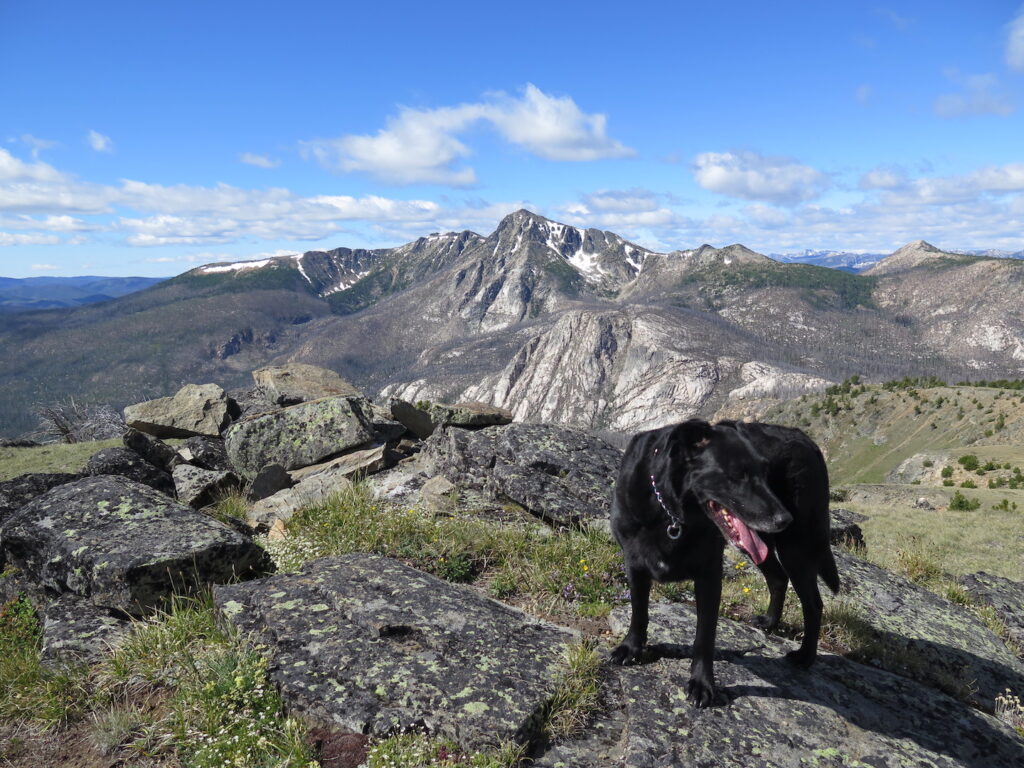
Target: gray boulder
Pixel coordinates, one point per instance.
(271, 479)
(127, 463)
(838, 714)
(294, 383)
(123, 545)
(156, 452)
(196, 409)
(845, 529)
(298, 436)
(558, 474)
(198, 487)
(918, 633)
(376, 647)
(1006, 597)
(311, 490)
(206, 452)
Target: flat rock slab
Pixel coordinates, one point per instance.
(76, 631)
(298, 436)
(952, 647)
(123, 545)
(352, 464)
(1006, 596)
(838, 714)
(195, 409)
(374, 646)
(299, 383)
(423, 421)
(561, 475)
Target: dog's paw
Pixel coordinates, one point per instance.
(801, 658)
(626, 653)
(700, 692)
(765, 623)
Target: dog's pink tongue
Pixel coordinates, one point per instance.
(751, 542)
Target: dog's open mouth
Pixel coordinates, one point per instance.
(738, 533)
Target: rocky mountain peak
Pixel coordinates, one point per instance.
(909, 256)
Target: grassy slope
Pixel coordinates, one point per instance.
(867, 434)
(55, 457)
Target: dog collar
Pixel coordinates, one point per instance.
(675, 525)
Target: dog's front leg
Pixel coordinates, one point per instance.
(701, 687)
(639, 599)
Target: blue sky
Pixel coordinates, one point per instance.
(146, 138)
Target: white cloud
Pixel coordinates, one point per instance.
(260, 161)
(13, 169)
(18, 238)
(99, 142)
(978, 95)
(751, 176)
(37, 145)
(883, 178)
(44, 267)
(1015, 43)
(630, 200)
(422, 145)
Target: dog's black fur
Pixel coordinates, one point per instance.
(772, 478)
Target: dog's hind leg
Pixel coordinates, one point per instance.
(805, 583)
(777, 581)
(639, 599)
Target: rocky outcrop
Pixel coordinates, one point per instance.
(377, 647)
(423, 421)
(310, 491)
(838, 714)
(845, 528)
(299, 383)
(127, 463)
(196, 409)
(122, 545)
(76, 632)
(198, 487)
(948, 648)
(561, 475)
(298, 436)
(271, 479)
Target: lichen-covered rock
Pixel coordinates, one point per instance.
(206, 452)
(1005, 596)
(299, 383)
(76, 631)
(156, 452)
(298, 436)
(770, 714)
(199, 487)
(355, 463)
(123, 545)
(560, 475)
(195, 409)
(127, 463)
(14, 494)
(375, 646)
(940, 644)
(416, 420)
(423, 421)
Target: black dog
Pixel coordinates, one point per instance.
(684, 490)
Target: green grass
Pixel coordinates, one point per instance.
(578, 570)
(28, 690)
(53, 457)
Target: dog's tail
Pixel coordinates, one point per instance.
(828, 571)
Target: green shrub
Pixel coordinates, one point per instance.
(961, 503)
(969, 462)
(968, 484)
(947, 471)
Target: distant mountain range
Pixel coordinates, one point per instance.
(31, 293)
(556, 323)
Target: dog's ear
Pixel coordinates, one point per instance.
(691, 437)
